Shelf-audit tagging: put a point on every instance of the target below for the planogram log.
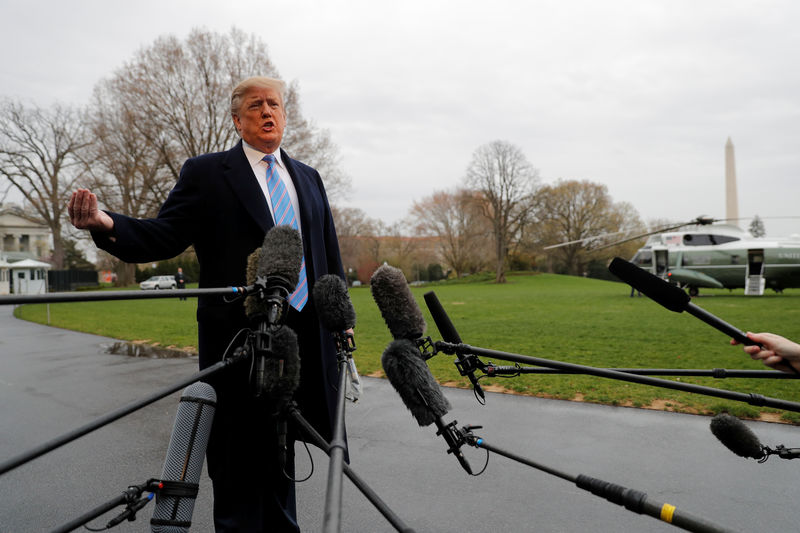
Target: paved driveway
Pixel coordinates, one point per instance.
(52, 381)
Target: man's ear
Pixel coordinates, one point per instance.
(236, 122)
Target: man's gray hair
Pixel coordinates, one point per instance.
(260, 82)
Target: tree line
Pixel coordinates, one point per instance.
(168, 103)
(500, 218)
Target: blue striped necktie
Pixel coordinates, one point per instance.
(283, 212)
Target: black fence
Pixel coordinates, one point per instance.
(70, 280)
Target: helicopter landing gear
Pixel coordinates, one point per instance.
(693, 291)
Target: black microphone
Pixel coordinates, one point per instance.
(413, 381)
(332, 301)
(736, 436)
(449, 334)
(740, 440)
(335, 311)
(278, 376)
(396, 303)
(275, 269)
(277, 369)
(184, 461)
(671, 296)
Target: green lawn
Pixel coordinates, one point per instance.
(570, 319)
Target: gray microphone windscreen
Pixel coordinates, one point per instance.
(412, 379)
(281, 254)
(736, 436)
(334, 308)
(185, 456)
(396, 303)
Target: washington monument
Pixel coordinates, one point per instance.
(731, 198)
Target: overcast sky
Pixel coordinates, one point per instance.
(639, 96)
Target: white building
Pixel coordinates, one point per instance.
(23, 243)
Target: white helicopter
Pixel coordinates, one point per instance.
(704, 254)
(701, 253)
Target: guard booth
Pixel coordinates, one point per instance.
(5, 276)
(29, 277)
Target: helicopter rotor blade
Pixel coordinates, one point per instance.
(584, 240)
(702, 220)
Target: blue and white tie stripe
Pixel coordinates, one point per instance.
(283, 212)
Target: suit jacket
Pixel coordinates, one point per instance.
(218, 207)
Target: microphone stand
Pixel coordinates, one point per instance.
(631, 499)
(371, 495)
(96, 296)
(345, 344)
(493, 370)
(752, 399)
(133, 499)
(781, 451)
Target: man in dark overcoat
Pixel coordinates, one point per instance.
(221, 206)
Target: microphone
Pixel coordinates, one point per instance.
(671, 296)
(740, 440)
(737, 437)
(275, 269)
(449, 334)
(335, 311)
(396, 303)
(184, 461)
(409, 375)
(277, 365)
(334, 308)
(276, 375)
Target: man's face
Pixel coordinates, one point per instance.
(261, 119)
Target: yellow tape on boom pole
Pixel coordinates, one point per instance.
(667, 511)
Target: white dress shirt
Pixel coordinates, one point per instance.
(254, 157)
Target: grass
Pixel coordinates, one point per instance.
(577, 320)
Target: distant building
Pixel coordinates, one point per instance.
(22, 238)
(24, 249)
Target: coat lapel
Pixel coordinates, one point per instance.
(239, 175)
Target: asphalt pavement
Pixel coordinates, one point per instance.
(53, 381)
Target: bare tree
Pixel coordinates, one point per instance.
(507, 182)
(304, 141)
(126, 172)
(39, 156)
(178, 96)
(353, 226)
(576, 210)
(461, 233)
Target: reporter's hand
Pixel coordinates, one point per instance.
(775, 351)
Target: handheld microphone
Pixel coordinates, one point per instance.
(671, 296)
(396, 303)
(449, 334)
(413, 381)
(740, 440)
(184, 461)
(275, 269)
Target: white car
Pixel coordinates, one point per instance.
(159, 282)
